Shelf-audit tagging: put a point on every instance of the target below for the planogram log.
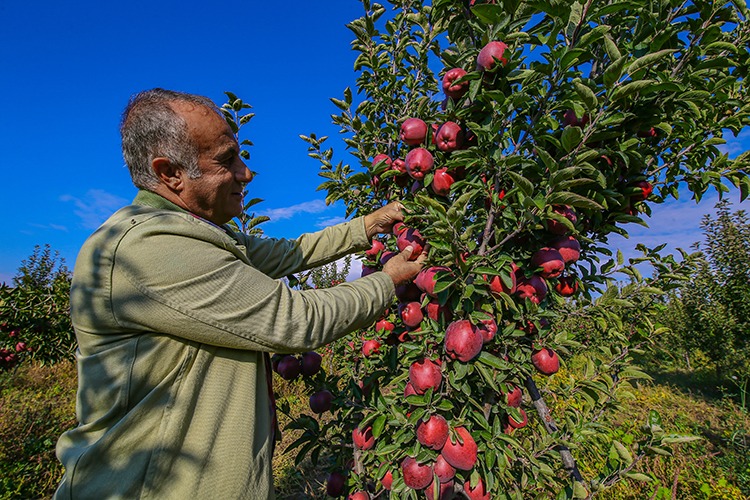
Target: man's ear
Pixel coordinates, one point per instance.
(168, 173)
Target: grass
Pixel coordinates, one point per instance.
(37, 404)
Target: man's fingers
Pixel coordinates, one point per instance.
(407, 252)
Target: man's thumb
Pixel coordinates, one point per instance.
(407, 252)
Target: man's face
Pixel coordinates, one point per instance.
(217, 195)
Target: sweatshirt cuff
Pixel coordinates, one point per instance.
(359, 234)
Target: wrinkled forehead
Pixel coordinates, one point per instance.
(207, 128)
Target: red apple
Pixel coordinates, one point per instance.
(515, 423)
(488, 328)
(461, 453)
(463, 341)
(442, 182)
(433, 432)
(411, 237)
(436, 312)
(449, 137)
(441, 491)
(651, 132)
(413, 132)
(424, 375)
(476, 493)
(550, 261)
(416, 476)
(559, 228)
(367, 270)
(359, 495)
(20, 346)
(444, 471)
(546, 361)
(571, 119)
(370, 347)
(399, 165)
(363, 439)
(335, 484)
(490, 55)
(289, 367)
(566, 286)
(375, 249)
(427, 278)
(381, 158)
(644, 190)
(387, 480)
(411, 313)
(408, 292)
(497, 286)
(533, 288)
(419, 162)
(409, 390)
(569, 248)
(310, 363)
(514, 397)
(321, 401)
(452, 89)
(384, 326)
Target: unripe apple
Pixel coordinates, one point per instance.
(416, 476)
(569, 248)
(411, 237)
(419, 162)
(567, 286)
(413, 132)
(370, 347)
(490, 55)
(442, 181)
(449, 137)
(515, 423)
(452, 89)
(546, 361)
(476, 493)
(433, 432)
(463, 341)
(411, 313)
(289, 367)
(424, 375)
(550, 261)
(427, 278)
(310, 363)
(571, 119)
(461, 453)
(533, 288)
(444, 471)
(375, 249)
(321, 401)
(363, 439)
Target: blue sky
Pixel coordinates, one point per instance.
(68, 69)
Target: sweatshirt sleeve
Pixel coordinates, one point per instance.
(281, 257)
(189, 282)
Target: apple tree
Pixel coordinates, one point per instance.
(519, 136)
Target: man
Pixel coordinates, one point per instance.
(175, 314)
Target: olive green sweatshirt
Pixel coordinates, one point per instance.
(172, 316)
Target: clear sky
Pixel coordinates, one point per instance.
(68, 69)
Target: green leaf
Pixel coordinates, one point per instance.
(378, 425)
(571, 138)
(522, 183)
(612, 51)
(629, 89)
(492, 361)
(649, 60)
(488, 13)
(623, 452)
(572, 199)
(586, 94)
(638, 476)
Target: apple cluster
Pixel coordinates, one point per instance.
(10, 356)
(308, 365)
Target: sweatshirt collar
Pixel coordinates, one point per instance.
(154, 200)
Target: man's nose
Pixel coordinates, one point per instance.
(245, 175)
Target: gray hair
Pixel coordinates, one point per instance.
(151, 128)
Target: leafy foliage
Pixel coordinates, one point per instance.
(591, 112)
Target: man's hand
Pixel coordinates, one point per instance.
(382, 220)
(401, 269)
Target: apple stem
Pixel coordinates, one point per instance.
(569, 463)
